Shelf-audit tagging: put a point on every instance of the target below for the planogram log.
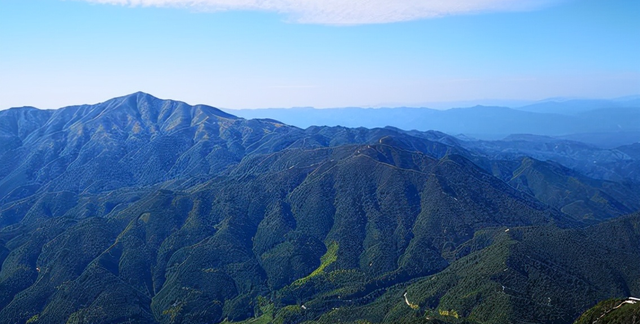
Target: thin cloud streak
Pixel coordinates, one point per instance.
(348, 12)
(292, 87)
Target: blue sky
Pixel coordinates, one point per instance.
(322, 53)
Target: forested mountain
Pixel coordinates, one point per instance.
(154, 211)
(612, 311)
(618, 164)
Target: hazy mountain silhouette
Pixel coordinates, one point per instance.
(586, 120)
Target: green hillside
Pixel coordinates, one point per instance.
(148, 211)
(611, 311)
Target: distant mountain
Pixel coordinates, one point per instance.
(577, 106)
(155, 211)
(606, 140)
(617, 164)
(549, 118)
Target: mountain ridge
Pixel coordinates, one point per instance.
(497, 122)
(155, 211)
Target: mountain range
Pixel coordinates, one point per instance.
(605, 123)
(155, 211)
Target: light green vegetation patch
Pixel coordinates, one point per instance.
(328, 258)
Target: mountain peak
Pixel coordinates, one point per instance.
(145, 104)
(141, 96)
(136, 97)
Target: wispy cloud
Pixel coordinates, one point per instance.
(349, 12)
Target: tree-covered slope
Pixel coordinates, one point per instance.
(612, 311)
(582, 198)
(517, 275)
(616, 164)
(153, 211)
